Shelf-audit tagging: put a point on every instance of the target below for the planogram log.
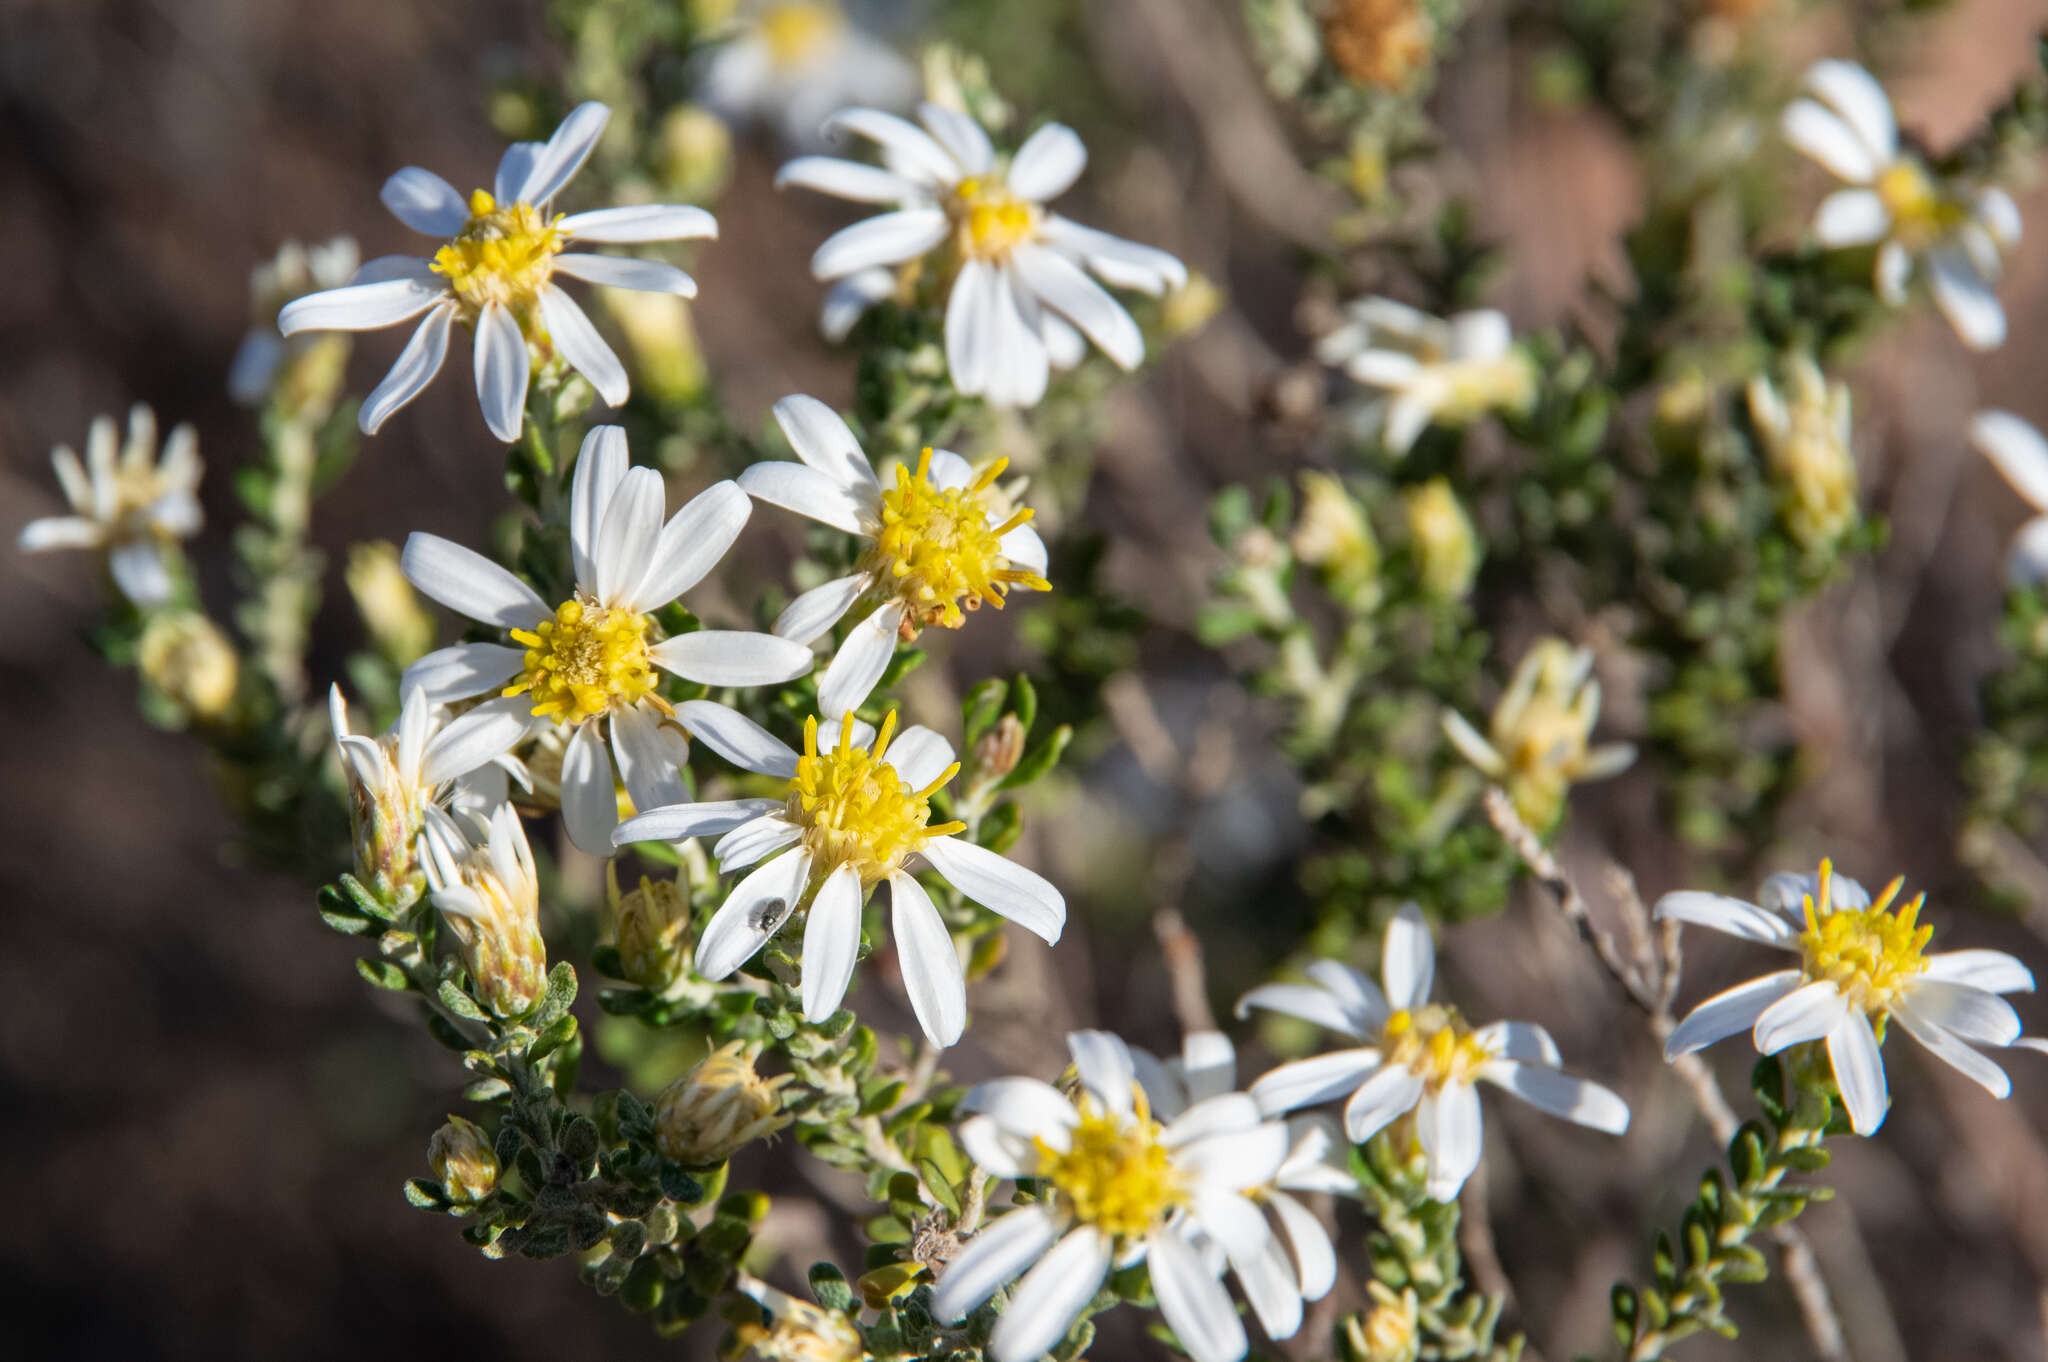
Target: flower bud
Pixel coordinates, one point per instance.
(1382, 43)
(187, 659)
(463, 1162)
(1188, 308)
(491, 898)
(1447, 548)
(651, 925)
(1536, 744)
(693, 153)
(798, 1331)
(663, 339)
(391, 610)
(1332, 535)
(384, 812)
(1805, 435)
(719, 1107)
(997, 752)
(1386, 1330)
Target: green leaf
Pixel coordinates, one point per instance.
(383, 974)
(830, 1288)
(426, 1194)
(979, 711)
(561, 992)
(559, 1034)
(1024, 701)
(348, 924)
(1038, 760)
(460, 1003)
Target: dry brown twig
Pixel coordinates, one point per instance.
(1649, 975)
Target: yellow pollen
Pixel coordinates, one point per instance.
(855, 809)
(1434, 1042)
(1866, 953)
(991, 220)
(937, 550)
(584, 662)
(1115, 1174)
(1922, 211)
(797, 31)
(503, 255)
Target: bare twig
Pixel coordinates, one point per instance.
(1183, 952)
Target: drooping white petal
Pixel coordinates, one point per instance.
(1952, 1051)
(563, 155)
(1103, 1063)
(462, 670)
(2017, 450)
(60, 532)
(737, 738)
(972, 326)
(831, 943)
(425, 202)
(1223, 1114)
(794, 487)
(1003, 1247)
(474, 738)
(754, 841)
(615, 271)
(625, 536)
(919, 755)
(1859, 1071)
(640, 222)
(691, 543)
(1207, 1065)
(730, 657)
(1196, 1306)
(2026, 562)
(1000, 885)
(910, 150)
(649, 756)
(601, 466)
(2000, 216)
(360, 307)
(1267, 1276)
(501, 371)
(1025, 1107)
(931, 965)
(1023, 367)
(1125, 264)
(1391, 1092)
(1449, 1125)
(1316, 1005)
(821, 438)
(1064, 346)
(1862, 103)
(1048, 163)
(886, 239)
(1726, 1013)
(414, 368)
(1724, 914)
(590, 804)
(470, 584)
(1966, 299)
(1304, 1082)
(1407, 958)
(757, 906)
(848, 180)
(995, 1150)
(1518, 1040)
(1483, 333)
(849, 299)
(851, 675)
(675, 822)
(1992, 971)
(1061, 285)
(813, 614)
(1894, 267)
(1044, 1305)
(572, 333)
(1822, 135)
(1851, 217)
(1575, 1099)
(139, 571)
(1806, 1013)
(1361, 996)
(1971, 1013)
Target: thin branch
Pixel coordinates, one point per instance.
(1183, 952)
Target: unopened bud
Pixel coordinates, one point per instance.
(1447, 549)
(1332, 535)
(663, 339)
(189, 661)
(1188, 308)
(1382, 43)
(798, 1331)
(1386, 1330)
(391, 610)
(997, 752)
(693, 153)
(651, 925)
(717, 1108)
(463, 1162)
(1805, 433)
(491, 898)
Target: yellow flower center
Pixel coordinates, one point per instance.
(798, 31)
(1434, 1042)
(855, 810)
(504, 255)
(1115, 1174)
(1866, 953)
(991, 219)
(583, 662)
(937, 550)
(1922, 211)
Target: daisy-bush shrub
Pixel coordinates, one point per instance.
(827, 777)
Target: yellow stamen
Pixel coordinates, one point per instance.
(990, 220)
(1922, 211)
(1866, 953)
(503, 255)
(1114, 1174)
(937, 551)
(798, 31)
(584, 662)
(1435, 1043)
(855, 809)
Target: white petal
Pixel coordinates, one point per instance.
(847, 180)
(624, 545)
(2000, 216)
(737, 738)
(1316, 1005)
(60, 532)
(755, 841)
(1389, 1093)
(831, 943)
(691, 543)
(806, 491)
(1407, 958)
(1724, 914)
(919, 755)
(2026, 563)
(1000, 885)
(513, 168)
(1223, 1114)
(972, 325)
(1480, 334)
(475, 738)
(1126, 264)
(813, 614)
(1861, 101)
(1804, 1014)
(910, 149)
(1966, 299)
(1974, 1015)
(1448, 1123)
(886, 239)
(502, 369)
(930, 963)
(1851, 217)
(139, 570)
(994, 1150)
(470, 584)
(414, 369)
(1196, 1306)
(1827, 139)
(1048, 163)
(360, 307)
(1025, 550)
(387, 267)
(851, 675)
(1360, 995)
(425, 202)
(463, 670)
(1044, 1305)
(1023, 366)
(821, 438)
(1304, 1082)
(1064, 346)
(1952, 1051)
(2017, 450)
(1992, 971)
(678, 821)
(1267, 1276)
(1894, 266)
(649, 756)
(1025, 1107)
(849, 299)
(640, 222)
(572, 333)
(1859, 1071)
(601, 465)
(1004, 1247)
(1575, 1099)
(960, 135)
(1315, 1257)
(614, 271)
(757, 906)
(590, 804)
(730, 657)
(557, 162)
(1519, 1041)
(1061, 285)
(1103, 1063)
(1726, 1013)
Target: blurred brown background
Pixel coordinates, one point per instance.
(206, 1117)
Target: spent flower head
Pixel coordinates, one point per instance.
(1537, 742)
(127, 502)
(490, 895)
(718, 1108)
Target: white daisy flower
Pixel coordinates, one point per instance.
(1419, 1056)
(1950, 233)
(1300, 1264)
(1018, 283)
(1124, 1187)
(589, 662)
(939, 540)
(1447, 371)
(1861, 963)
(490, 894)
(126, 502)
(856, 812)
(496, 276)
(295, 270)
(2018, 451)
(1537, 743)
(792, 62)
